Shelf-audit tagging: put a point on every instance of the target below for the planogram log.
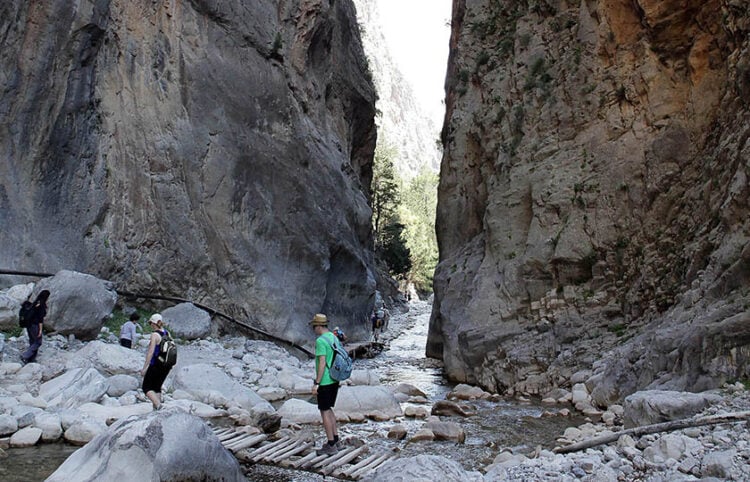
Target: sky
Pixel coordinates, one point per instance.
(418, 32)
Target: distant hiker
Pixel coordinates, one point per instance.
(379, 320)
(34, 323)
(154, 371)
(339, 333)
(127, 331)
(324, 387)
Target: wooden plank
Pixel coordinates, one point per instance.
(344, 460)
(348, 470)
(371, 466)
(262, 449)
(300, 447)
(314, 460)
(230, 438)
(221, 431)
(280, 450)
(333, 458)
(274, 450)
(248, 442)
(304, 460)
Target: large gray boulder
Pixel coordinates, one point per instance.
(655, 406)
(187, 321)
(367, 400)
(204, 381)
(107, 358)
(74, 388)
(78, 303)
(160, 446)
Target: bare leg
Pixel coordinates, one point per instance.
(155, 398)
(329, 423)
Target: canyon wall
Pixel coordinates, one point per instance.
(219, 151)
(593, 201)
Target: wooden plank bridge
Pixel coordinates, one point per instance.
(298, 453)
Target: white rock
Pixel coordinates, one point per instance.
(50, 425)
(107, 358)
(83, 431)
(272, 394)
(423, 468)
(300, 411)
(74, 387)
(31, 401)
(105, 414)
(121, 384)
(26, 437)
(8, 425)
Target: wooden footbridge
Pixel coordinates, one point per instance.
(298, 453)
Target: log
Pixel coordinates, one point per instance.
(655, 428)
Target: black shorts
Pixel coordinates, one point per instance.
(126, 343)
(327, 396)
(154, 378)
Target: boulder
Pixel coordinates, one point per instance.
(463, 391)
(449, 408)
(196, 408)
(50, 425)
(108, 414)
(164, 445)
(74, 388)
(10, 302)
(656, 406)
(119, 385)
(78, 303)
(26, 437)
(187, 321)
(446, 431)
(367, 400)
(300, 411)
(107, 358)
(364, 377)
(422, 467)
(201, 379)
(397, 432)
(409, 389)
(83, 430)
(8, 425)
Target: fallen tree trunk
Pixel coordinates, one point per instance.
(655, 428)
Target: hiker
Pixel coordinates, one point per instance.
(154, 371)
(324, 387)
(127, 331)
(339, 333)
(379, 320)
(34, 327)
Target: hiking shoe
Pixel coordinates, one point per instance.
(326, 449)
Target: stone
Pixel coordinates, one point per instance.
(73, 388)
(423, 435)
(656, 406)
(397, 432)
(187, 321)
(272, 394)
(50, 425)
(446, 431)
(467, 392)
(107, 358)
(201, 380)
(409, 389)
(368, 400)
(718, 464)
(300, 411)
(163, 446)
(78, 303)
(8, 425)
(26, 437)
(417, 412)
(449, 408)
(122, 384)
(83, 431)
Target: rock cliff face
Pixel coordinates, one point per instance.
(593, 202)
(219, 150)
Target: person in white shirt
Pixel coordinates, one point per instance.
(127, 332)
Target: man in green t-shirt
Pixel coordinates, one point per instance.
(325, 387)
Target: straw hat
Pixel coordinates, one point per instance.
(319, 320)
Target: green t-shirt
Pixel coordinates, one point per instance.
(323, 347)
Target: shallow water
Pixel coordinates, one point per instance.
(33, 463)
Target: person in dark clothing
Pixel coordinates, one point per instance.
(154, 372)
(34, 327)
(127, 331)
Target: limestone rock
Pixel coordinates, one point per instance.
(83, 431)
(8, 425)
(422, 467)
(200, 165)
(163, 446)
(74, 387)
(187, 321)
(655, 406)
(107, 358)
(26, 437)
(201, 380)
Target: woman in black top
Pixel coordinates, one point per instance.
(34, 327)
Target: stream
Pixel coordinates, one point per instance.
(511, 424)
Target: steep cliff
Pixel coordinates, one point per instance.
(218, 150)
(593, 202)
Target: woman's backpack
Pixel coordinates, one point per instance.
(167, 350)
(25, 314)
